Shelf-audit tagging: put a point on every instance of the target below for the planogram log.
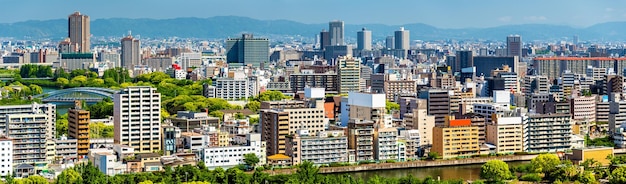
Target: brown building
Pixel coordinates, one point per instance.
(78, 128)
(78, 31)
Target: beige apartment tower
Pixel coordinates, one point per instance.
(78, 31)
(137, 118)
(78, 128)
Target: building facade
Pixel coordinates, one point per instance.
(137, 118)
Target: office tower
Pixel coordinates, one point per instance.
(324, 39)
(332, 52)
(389, 42)
(402, 40)
(29, 126)
(78, 31)
(438, 103)
(364, 39)
(484, 64)
(514, 45)
(327, 80)
(78, 128)
(131, 52)
(137, 118)
(335, 29)
(348, 70)
(247, 50)
(463, 59)
(575, 39)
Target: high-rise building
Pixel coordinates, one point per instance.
(336, 32)
(29, 126)
(575, 39)
(514, 45)
(364, 40)
(78, 128)
(389, 42)
(349, 71)
(247, 50)
(131, 52)
(324, 39)
(137, 118)
(78, 31)
(438, 103)
(402, 40)
(463, 59)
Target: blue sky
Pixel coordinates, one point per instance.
(439, 13)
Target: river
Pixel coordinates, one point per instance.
(62, 107)
(465, 172)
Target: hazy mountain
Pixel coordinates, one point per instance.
(232, 26)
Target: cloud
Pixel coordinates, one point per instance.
(535, 18)
(505, 19)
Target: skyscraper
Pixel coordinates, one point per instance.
(137, 118)
(575, 39)
(78, 31)
(389, 41)
(324, 39)
(463, 59)
(402, 39)
(514, 45)
(364, 39)
(336, 32)
(131, 52)
(247, 50)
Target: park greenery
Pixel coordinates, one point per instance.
(306, 173)
(549, 168)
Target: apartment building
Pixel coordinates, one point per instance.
(230, 156)
(386, 144)
(137, 118)
(188, 121)
(348, 72)
(617, 114)
(65, 149)
(392, 85)
(307, 78)
(78, 128)
(547, 132)
(281, 118)
(420, 120)
(361, 139)
(323, 148)
(6, 156)
(438, 101)
(456, 138)
(411, 140)
(29, 126)
(506, 134)
(363, 106)
(583, 108)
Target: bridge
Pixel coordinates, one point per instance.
(88, 94)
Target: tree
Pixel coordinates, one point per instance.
(495, 170)
(62, 82)
(69, 176)
(390, 106)
(35, 89)
(271, 96)
(306, 173)
(61, 126)
(239, 116)
(217, 114)
(254, 106)
(251, 159)
(254, 120)
(618, 175)
(545, 163)
(433, 155)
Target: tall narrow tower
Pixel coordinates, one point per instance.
(514, 45)
(364, 39)
(131, 52)
(336, 32)
(78, 31)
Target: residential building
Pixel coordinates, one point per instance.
(361, 139)
(6, 156)
(411, 139)
(455, 138)
(323, 148)
(65, 149)
(386, 144)
(348, 72)
(187, 121)
(363, 106)
(583, 108)
(79, 31)
(78, 128)
(506, 134)
(131, 52)
(307, 78)
(438, 103)
(547, 132)
(137, 118)
(281, 118)
(232, 156)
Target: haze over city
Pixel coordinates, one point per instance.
(442, 14)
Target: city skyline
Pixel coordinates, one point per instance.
(439, 14)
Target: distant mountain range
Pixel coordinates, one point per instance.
(232, 26)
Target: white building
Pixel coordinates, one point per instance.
(386, 144)
(137, 118)
(6, 156)
(29, 126)
(231, 156)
